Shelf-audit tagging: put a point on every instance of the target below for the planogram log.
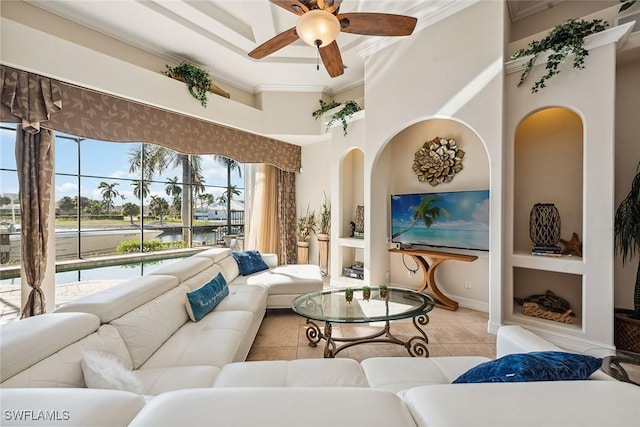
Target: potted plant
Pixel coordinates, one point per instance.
(197, 80)
(324, 226)
(306, 227)
(627, 243)
(383, 291)
(350, 107)
(348, 294)
(366, 293)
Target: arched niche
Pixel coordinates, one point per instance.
(548, 168)
(395, 160)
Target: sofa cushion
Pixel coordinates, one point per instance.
(147, 327)
(161, 380)
(229, 268)
(112, 303)
(213, 341)
(245, 298)
(293, 373)
(402, 373)
(214, 254)
(557, 404)
(289, 279)
(203, 300)
(534, 366)
(281, 407)
(104, 370)
(249, 262)
(28, 341)
(184, 268)
(62, 369)
(71, 407)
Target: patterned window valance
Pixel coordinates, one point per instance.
(90, 114)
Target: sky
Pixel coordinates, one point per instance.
(104, 159)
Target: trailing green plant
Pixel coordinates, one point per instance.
(349, 109)
(626, 229)
(324, 107)
(197, 80)
(563, 40)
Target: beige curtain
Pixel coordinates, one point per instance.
(31, 99)
(264, 232)
(286, 186)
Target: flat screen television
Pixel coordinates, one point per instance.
(458, 219)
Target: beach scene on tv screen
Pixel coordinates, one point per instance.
(452, 219)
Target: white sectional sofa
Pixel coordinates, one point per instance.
(193, 374)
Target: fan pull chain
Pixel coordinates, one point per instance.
(318, 43)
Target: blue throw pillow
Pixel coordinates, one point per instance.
(204, 299)
(534, 366)
(249, 262)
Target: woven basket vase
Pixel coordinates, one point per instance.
(626, 331)
(544, 224)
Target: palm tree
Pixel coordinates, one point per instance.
(150, 159)
(426, 212)
(231, 165)
(227, 195)
(141, 189)
(172, 188)
(108, 194)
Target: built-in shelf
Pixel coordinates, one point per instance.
(564, 264)
(548, 325)
(351, 242)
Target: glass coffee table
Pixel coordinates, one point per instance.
(331, 306)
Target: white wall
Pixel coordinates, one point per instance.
(423, 77)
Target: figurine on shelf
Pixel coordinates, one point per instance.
(573, 246)
(353, 228)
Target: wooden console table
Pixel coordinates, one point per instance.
(438, 258)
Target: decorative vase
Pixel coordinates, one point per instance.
(544, 224)
(323, 250)
(303, 252)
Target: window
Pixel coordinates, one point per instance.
(116, 198)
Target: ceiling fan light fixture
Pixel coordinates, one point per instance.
(318, 25)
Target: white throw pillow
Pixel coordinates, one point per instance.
(106, 371)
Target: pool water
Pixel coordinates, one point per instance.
(111, 272)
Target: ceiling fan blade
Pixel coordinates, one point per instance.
(377, 24)
(293, 6)
(335, 6)
(320, 4)
(274, 44)
(332, 59)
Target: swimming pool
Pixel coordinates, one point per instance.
(126, 271)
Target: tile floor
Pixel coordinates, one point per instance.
(451, 333)
(282, 333)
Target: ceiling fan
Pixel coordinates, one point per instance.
(320, 23)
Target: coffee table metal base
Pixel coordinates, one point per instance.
(416, 345)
